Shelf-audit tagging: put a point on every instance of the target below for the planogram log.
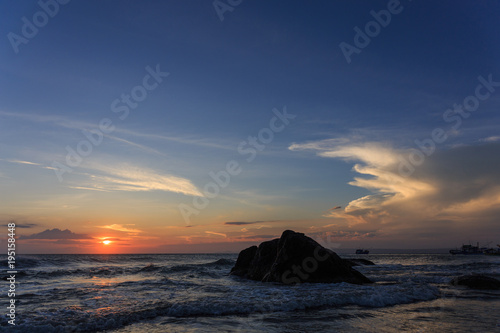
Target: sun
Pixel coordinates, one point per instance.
(106, 242)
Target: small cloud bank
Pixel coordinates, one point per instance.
(56, 234)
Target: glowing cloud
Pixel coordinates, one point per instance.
(132, 178)
(458, 186)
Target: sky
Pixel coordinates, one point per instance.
(210, 126)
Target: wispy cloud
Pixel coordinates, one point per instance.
(491, 139)
(23, 225)
(216, 233)
(26, 163)
(121, 227)
(136, 145)
(80, 125)
(344, 235)
(22, 162)
(133, 178)
(258, 237)
(240, 223)
(89, 188)
(202, 142)
(246, 223)
(52, 119)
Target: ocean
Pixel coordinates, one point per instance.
(195, 293)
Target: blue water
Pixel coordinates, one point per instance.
(195, 293)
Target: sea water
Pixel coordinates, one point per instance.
(195, 293)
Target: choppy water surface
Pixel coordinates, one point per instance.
(194, 293)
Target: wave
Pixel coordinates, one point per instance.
(250, 299)
(446, 270)
(117, 270)
(21, 262)
(221, 262)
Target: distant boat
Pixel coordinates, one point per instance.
(493, 252)
(469, 249)
(361, 251)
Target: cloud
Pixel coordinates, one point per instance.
(56, 234)
(22, 162)
(22, 225)
(121, 227)
(202, 142)
(55, 120)
(259, 237)
(377, 160)
(239, 223)
(344, 234)
(136, 145)
(89, 188)
(133, 178)
(113, 239)
(246, 223)
(491, 139)
(455, 189)
(67, 241)
(216, 233)
(81, 125)
(26, 163)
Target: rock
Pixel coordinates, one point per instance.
(358, 262)
(476, 281)
(294, 258)
(263, 260)
(243, 262)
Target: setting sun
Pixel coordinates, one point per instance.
(106, 242)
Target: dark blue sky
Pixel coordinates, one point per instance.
(225, 78)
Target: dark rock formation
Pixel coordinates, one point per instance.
(476, 281)
(358, 262)
(294, 258)
(244, 260)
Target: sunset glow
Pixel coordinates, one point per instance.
(250, 166)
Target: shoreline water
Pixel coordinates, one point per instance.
(194, 292)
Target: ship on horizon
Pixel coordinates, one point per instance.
(476, 250)
(493, 252)
(362, 251)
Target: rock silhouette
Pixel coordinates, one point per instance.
(294, 258)
(476, 281)
(358, 262)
